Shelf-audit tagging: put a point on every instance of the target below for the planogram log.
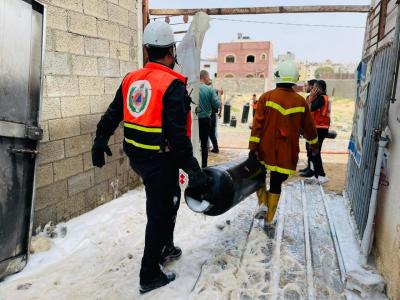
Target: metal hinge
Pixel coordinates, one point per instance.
(34, 133)
(24, 151)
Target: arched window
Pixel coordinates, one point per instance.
(262, 76)
(263, 56)
(230, 59)
(250, 59)
(250, 76)
(229, 76)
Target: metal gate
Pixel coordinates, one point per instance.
(361, 169)
(21, 45)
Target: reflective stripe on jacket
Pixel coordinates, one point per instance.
(143, 93)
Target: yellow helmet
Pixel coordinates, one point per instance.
(287, 72)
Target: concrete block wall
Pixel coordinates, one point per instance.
(90, 46)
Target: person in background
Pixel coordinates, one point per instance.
(320, 110)
(208, 101)
(281, 115)
(215, 114)
(308, 88)
(254, 103)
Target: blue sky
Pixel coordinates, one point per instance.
(312, 43)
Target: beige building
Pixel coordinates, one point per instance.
(90, 46)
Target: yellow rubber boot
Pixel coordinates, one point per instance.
(272, 204)
(262, 196)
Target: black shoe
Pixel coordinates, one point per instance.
(305, 170)
(308, 174)
(159, 281)
(215, 150)
(170, 253)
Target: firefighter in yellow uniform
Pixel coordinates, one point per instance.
(281, 115)
(155, 109)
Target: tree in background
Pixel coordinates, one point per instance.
(321, 71)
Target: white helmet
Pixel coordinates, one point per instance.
(158, 34)
(288, 72)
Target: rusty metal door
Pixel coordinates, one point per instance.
(21, 46)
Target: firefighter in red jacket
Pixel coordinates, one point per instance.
(155, 109)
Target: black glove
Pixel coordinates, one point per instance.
(198, 180)
(99, 148)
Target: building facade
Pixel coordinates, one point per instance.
(210, 65)
(245, 59)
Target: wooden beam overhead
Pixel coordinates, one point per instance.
(264, 10)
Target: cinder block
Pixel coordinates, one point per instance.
(60, 211)
(78, 145)
(128, 4)
(106, 172)
(51, 151)
(56, 18)
(107, 30)
(67, 167)
(108, 67)
(99, 104)
(45, 126)
(117, 14)
(75, 205)
(111, 85)
(44, 175)
(96, 193)
(87, 161)
(119, 134)
(56, 63)
(80, 183)
(82, 24)
(97, 47)
(91, 85)
(133, 179)
(51, 194)
(84, 65)
(127, 35)
(75, 106)
(64, 128)
(89, 123)
(127, 67)
(44, 216)
(68, 42)
(51, 108)
(117, 152)
(75, 5)
(62, 86)
(123, 165)
(96, 8)
(132, 20)
(113, 1)
(119, 51)
(49, 40)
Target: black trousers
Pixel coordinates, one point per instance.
(213, 131)
(204, 132)
(160, 177)
(275, 182)
(317, 160)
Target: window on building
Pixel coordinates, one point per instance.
(250, 59)
(262, 76)
(230, 59)
(229, 76)
(207, 66)
(263, 57)
(250, 76)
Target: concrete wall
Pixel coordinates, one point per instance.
(387, 235)
(240, 85)
(344, 88)
(90, 46)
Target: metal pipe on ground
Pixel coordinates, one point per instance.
(231, 183)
